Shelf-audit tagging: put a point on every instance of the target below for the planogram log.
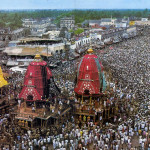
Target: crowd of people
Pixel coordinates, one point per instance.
(132, 133)
(128, 62)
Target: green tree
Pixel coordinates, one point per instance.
(78, 31)
(71, 30)
(2, 24)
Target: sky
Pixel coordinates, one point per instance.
(74, 4)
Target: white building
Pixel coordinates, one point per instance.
(52, 34)
(94, 23)
(121, 24)
(37, 27)
(107, 21)
(144, 19)
(67, 22)
(81, 42)
(34, 23)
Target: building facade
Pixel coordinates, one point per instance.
(8, 35)
(51, 34)
(37, 27)
(67, 22)
(107, 21)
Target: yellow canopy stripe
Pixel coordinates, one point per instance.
(3, 82)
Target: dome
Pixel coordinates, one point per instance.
(90, 76)
(90, 50)
(37, 57)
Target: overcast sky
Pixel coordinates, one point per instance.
(74, 4)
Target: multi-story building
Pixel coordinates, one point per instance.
(107, 21)
(5, 34)
(32, 23)
(99, 23)
(144, 19)
(51, 34)
(28, 22)
(94, 23)
(37, 27)
(67, 22)
(8, 35)
(122, 22)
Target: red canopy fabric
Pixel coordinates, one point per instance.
(36, 81)
(49, 73)
(29, 91)
(89, 77)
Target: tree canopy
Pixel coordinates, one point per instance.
(13, 19)
(78, 31)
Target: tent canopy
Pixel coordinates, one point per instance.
(3, 82)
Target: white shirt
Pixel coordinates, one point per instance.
(48, 139)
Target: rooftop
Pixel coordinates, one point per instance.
(67, 18)
(106, 20)
(94, 21)
(18, 30)
(25, 51)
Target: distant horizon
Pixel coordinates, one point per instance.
(74, 4)
(77, 9)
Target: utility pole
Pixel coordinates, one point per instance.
(47, 51)
(67, 47)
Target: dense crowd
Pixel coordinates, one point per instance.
(131, 132)
(129, 62)
(13, 137)
(129, 65)
(15, 80)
